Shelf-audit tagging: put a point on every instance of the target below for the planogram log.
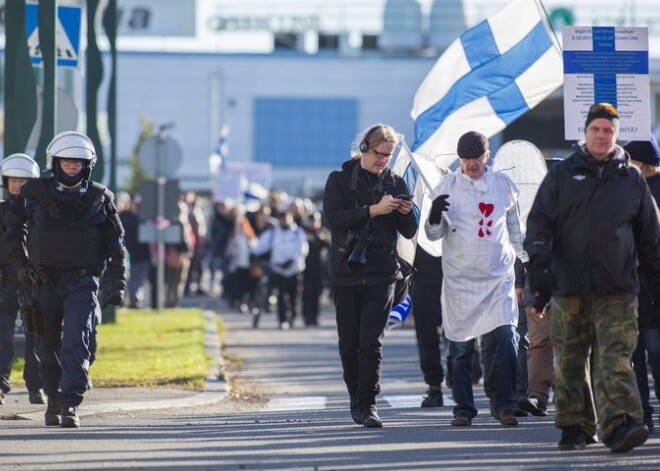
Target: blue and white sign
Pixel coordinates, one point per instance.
(67, 34)
(607, 64)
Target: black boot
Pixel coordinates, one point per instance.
(370, 418)
(433, 397)
(53, 417)
(573, 438)
(70, 417)
(355, 412)
(37, 396)
(627, 436)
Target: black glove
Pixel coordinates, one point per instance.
(27, 275)
(112, 293)
(539, 279)
(439, 206)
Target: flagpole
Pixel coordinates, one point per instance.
(552, 28)
(445, 216)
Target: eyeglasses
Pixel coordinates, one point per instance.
(72, 162)
(380, 155)
(604, 107)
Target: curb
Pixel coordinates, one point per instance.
(215, 386)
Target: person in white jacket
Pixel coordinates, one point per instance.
(477, 218)
(288, 247)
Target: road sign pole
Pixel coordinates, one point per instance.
(160, 219)
(48, 43)
(160, 156)
(160, 210)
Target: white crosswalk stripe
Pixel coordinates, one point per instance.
(300, 403)
(279, 404)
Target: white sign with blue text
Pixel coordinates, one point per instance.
(68, 29)
(607, 64)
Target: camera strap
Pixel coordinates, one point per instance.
(354, 178)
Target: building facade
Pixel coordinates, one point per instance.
(298, 80)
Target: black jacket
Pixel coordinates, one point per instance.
(595, 219)
(649, 310)
(346, 200)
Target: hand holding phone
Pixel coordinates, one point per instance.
(404, 197)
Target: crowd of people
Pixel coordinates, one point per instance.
(236, 251)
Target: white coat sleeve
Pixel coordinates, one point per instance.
(516, 230)
(435, 231)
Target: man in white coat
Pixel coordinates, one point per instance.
(477, 218)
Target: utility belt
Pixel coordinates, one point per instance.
(64, 274)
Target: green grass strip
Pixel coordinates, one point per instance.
(147, 349)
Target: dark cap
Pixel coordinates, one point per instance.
(646, 152)
(605, 111)
(472, 145)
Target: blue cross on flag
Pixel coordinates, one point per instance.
(488, 77)
(67, 34)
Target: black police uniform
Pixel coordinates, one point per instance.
(71, 237)
(8, 313)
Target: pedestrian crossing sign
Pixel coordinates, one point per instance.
(68, 29)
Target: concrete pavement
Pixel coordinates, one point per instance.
(293, 414)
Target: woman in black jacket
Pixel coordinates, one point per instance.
(646, 156)
(366, 205)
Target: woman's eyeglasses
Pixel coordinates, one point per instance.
(380, 155)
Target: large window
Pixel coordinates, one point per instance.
(304, 131)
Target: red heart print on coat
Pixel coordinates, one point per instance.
(486, 209)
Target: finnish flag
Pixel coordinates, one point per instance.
(492, 74)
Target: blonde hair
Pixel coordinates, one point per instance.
(373, 136)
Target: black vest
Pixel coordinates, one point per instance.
(65, 229)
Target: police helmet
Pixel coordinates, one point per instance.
(71, 145)
(19, 166)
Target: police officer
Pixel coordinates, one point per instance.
(15, 171)
(69, 229)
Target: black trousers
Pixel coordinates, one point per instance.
(428, 320)
(311, 298)
(287, 296)
(361, 318)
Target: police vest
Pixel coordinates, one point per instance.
(65, 229)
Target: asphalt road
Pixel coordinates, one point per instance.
(291, 412)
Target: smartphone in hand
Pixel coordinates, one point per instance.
(404, 197)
